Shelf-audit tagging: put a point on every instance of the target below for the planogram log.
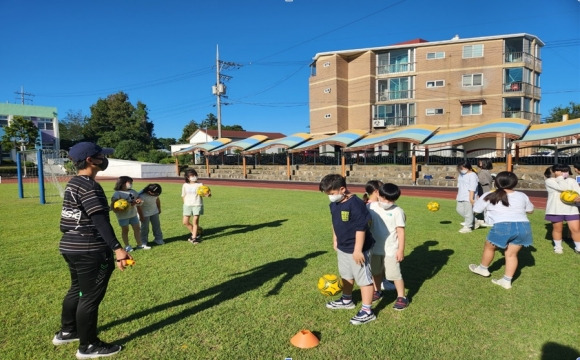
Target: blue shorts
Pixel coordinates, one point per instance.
(516, 233)
(130, 221)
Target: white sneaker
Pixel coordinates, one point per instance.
(465, 230)
(484, 224)
(462, 223)
(476, 224)
(479, 270)
(503, 283)
(143, 246)
(558, 250)
(128, 248)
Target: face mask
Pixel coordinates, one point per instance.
(104, 164)
(385, 205)
(128, 186)
(193, 179)
(463, 172)
(565, 175)
(336, 198)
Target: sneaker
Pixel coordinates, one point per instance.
(462, 223)
(503, 283)
(340, 304)
(476, 224)
(577, 251)
(377, 295)
(97, 350)
(195, 240)
(484, 224)
(479, 270)
(388, 286)
(128, 248)
(159, 242)
(62, 337)
(363, 317)
(465, 230)
(558, 250)
(143, 247)
(401, 303)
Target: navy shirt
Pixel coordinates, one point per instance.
(347, 218)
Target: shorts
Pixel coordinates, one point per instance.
(392, 268)
(377, 264)
(516, 233)
(561, 218)
(192, 210)
(129, 221)
(349, 270)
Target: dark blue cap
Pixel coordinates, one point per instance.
(83, 150)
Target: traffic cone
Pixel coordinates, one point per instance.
(304, 339)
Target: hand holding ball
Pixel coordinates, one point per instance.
(121, 205)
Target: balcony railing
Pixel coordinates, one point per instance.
(395, 68)
(396, 95)
(397, 121)
(519, 56)
(522, 88)
(535, 118)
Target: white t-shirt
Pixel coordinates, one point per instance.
(384, 228)
(519, 202)
(555, 186)
(149, 205)
(466, 183)
(189, 194)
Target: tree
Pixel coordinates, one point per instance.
(114, 120)
(128, 149)
(164, 143)
(188, 130)
(20, 134)
(71, 129)
(573, 112)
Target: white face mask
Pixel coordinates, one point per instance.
(336, 198)
(565, 175)
(193, 179)
(463, 172)
(128, 186)
(385, 205)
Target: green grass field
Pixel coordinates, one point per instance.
(251, 285)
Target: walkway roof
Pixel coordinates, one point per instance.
(510, 128)
(286, 142)
(415, 134)
(343, 139)
(242, 145)
(556, 130)
(205, 147)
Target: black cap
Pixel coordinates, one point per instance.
(83, 150)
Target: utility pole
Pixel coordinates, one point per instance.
(23, 94)
(219, 89)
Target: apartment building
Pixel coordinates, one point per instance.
(44, 117)
(451, 84)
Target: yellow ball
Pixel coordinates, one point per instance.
(568, 197)
(121, 204)
(330, 284)
(433, 206)
(203, 190)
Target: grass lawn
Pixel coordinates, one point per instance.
(251, 285)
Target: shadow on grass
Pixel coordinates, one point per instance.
(553, 351)
(525, 258)
(228, 230)
(417, 267)
(239, 284)
(565, 234)
(422, 264)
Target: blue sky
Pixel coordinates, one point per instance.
(68, 54)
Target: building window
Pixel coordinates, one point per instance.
(472, 80)
(471, 109)
(43, 123)
(3, 121)
(436, 83)
(396, 88)
(430, 112)
(436, 55)
(472, 51)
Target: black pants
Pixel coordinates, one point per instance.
(90, 274)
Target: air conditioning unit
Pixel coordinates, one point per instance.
(378, 123)
(383, 98)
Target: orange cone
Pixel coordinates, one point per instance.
(304, 339)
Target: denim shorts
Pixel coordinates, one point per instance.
(516, 233)
(130, 221)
